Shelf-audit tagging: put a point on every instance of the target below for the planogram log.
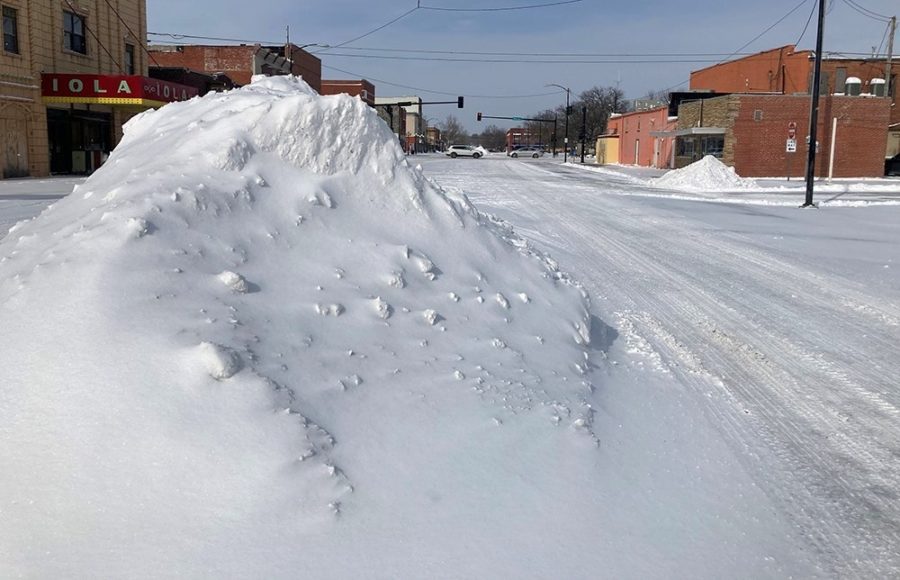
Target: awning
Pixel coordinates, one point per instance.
(115, 90)
(689, 132)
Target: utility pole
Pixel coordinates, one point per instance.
(814, 111)
(890, 54)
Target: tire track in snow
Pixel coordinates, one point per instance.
(810, 409)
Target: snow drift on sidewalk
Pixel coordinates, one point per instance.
(258, 343)
(708, 174)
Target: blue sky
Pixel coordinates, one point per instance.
(703, 27)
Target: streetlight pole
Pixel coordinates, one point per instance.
(566, 140)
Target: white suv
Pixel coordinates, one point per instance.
(455, 151)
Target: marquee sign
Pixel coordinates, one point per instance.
(112, 90)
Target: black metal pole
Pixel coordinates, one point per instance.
(555, 142)
(814, 112)
(583, 133)
(566, 150)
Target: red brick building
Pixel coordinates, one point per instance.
(749, 128)
(750, 133)
(361, 88)
(644, 138)
(519, 136)
(242, 61)
(787, 71)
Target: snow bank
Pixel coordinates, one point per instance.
(708, 174)
(258, 343)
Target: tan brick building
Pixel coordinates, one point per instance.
(71, 73)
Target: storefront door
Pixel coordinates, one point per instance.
(79, 140)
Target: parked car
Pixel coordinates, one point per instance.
(527, 152)
(455, 151)
(892, 165)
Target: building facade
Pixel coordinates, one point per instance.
(71, 73)
(361, 88)
(404, 116)
(751, 133)
(787, 71)
(241, 62)
(641, 138)
(520, 137)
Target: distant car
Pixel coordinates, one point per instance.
(455, 151)
(527, 152)
(892, 165)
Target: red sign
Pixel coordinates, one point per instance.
(792, 130)
(112, 90)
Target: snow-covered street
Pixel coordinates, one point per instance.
(779, 326)
(254, 355)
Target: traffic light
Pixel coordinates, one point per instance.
(478, 116)
(569, 110)
(459, 102)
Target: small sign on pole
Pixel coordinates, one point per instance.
(791, 146)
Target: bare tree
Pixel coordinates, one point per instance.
(659, 95)
(453, 132)
(493, 137)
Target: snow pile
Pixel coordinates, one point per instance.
(258, 343)
(708, 174)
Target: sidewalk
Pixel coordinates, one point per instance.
(22, 199)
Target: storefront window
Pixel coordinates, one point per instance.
(73, 25)
(684, 148)
(714, 146)
(10, 30)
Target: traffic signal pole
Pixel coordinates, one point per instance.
(479, 116)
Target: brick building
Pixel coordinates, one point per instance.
(404, 116)
(520, 136)
(434, 141)
(70, 75)
(361, 88)
(785, 70)
(241, 62)
(203, 82)
(750, 132)
(640, 138)
(766, 102)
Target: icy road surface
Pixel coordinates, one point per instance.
(782, 324)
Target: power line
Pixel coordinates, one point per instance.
(883, 38)
(500, 9)
(218, 38)
(84, 24)
(546, 54)
(421, 90)
(866, 12)
(805, 27)
(760, 35)
(524, 60)
(382, 27)
(133, 35)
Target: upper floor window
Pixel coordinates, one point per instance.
(10, 30)
(73, 25)
(129, 59)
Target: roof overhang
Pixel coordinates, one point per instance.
(689, 132)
